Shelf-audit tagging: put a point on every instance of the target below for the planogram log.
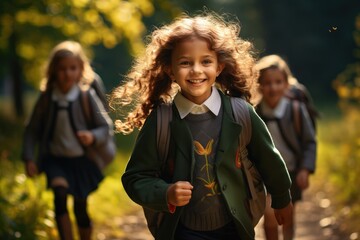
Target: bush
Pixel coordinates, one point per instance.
(24, 205)
(338, 171)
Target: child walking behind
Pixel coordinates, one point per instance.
(58, 131)
(292, 131)
(195, 64)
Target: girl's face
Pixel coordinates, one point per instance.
(195, 68)
(68, 73)
(273, 85)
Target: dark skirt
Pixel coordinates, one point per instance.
(296, 192)
(82, 174)
(227, 232)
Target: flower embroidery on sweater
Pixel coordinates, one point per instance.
(209, 178)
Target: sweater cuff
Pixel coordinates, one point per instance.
(171, 208)
(281, 200)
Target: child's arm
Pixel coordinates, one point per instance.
(302, 179)
(308, 141)
(284, 215)
(85, 137)
(33, 130)
(141, 180)
(101, 121)
(31, 168)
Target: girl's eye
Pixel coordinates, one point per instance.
(185, 63)
(207, 61)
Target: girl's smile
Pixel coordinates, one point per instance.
(195, 68)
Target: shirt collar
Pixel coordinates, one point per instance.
(185, 106)
(70, 96)
(278, 111)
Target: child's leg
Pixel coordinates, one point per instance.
(289, 227)
(296, 193)
(61, 213)
(82, 218)
(270, 223)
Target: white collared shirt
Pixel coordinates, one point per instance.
(64, 142)
(278, 113)
(185, 106)
(64, 99)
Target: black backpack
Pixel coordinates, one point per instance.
(300, 93)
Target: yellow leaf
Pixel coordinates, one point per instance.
(199, 149)
(80, 3)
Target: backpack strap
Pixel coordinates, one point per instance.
(164, 117)
(295, 105)
(242, 116)
(84, 99)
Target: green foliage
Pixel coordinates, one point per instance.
(30, 29)
(24, 207)
(338, 171)
(347, 83)
(340, 144)
(338, 166)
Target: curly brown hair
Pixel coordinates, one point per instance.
(147, 84)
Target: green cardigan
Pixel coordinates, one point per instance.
(142, 184)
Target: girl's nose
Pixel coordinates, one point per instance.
(196, 69)
(272, 87)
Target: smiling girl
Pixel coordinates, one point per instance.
(195, 64)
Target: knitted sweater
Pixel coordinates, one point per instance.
(207, 209)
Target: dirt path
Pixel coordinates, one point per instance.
(314, 222)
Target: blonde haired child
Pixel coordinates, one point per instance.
(195, 64)
(58, 131)
(296, 90)
(292, 131)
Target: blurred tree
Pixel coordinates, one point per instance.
(245, 11)
(120, 58)
(315, 37)
(30, 28)
(347, 86)
(347, 83)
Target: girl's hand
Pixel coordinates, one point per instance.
(302, 179)
(179, 193)
(31, 169)
(85, 137)
(284, 215)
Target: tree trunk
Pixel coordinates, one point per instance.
(16, 77)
